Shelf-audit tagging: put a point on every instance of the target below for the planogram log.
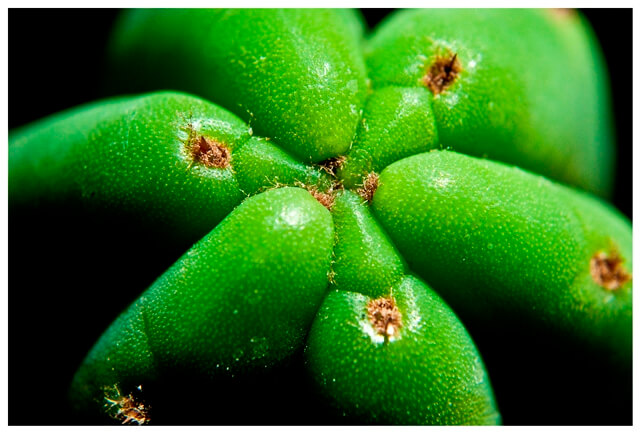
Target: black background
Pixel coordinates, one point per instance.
(62, 294)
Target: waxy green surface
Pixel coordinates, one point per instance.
(133, 154)
(429, 372)
(365, 260)
(497, 241)
(532, 91)
(397, 122)
(297, 76)
(241, 298)
(489, 239)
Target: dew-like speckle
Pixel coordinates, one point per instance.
(442, 181)
(259, 347)
(237, 354)
(291, 216)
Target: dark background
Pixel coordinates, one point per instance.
(63, 295)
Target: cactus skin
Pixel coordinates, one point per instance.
(532, 90)
(397, 122)
(240, 299)
(498, 242)
(429, 373)
(133, 155)
(296, 76)
(365, 260)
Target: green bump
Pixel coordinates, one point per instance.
(261, 165)
(397, 122)
(160, 158)
(132, 155)
(365, 260)
(497, 242)
(242, 298)
(419, 367)
(296, 76)
(527, 86)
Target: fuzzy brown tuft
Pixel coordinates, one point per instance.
(607, 271)
(327, 197)
(369, 186)
(210, 152)
(331, 165)
(384, 316)
(128, 409)
(442, 73)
